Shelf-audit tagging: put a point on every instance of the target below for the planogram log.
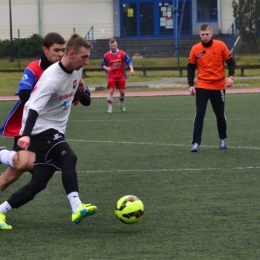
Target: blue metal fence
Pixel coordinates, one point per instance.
(232, 35)
(90, 35)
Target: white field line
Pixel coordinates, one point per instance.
(126, 120)
(171, 170)
(164, 119)
(156, 144)
(165, 170)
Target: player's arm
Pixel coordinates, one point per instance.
(191, 68)
(24, 141)
(231, 71)
(129, 63)
(231, 67)
(24, 95)
(26, 85)
(85, 99)
(104, 65)
(191, 73)
(82, 96)
(131, 67)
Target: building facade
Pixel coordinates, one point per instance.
(104, 19)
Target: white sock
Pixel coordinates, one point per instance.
(6, 157)
(109, 101)
(5, 207)
(74, 200)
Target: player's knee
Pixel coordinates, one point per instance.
(35, 187)
(69, 161)
(200, 114)
(23, 161)
(41, 186)
(74, 158)
(24, 166)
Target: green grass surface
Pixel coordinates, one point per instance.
(198, 206)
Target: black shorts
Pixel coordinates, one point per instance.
(48, 145)
(17, 148)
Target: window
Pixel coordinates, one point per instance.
(207, 10)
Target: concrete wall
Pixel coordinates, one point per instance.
(226, 15)
(62, 16)
(24, 17)
(226, 18)
(67, 16)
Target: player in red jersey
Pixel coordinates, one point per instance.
(53, 49)
(113, 62)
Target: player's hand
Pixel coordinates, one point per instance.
(229, 82)
(108, 69)
(82, 85)
(192, 90)
(132, 72)
(24, 142)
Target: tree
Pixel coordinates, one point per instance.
(247, 15)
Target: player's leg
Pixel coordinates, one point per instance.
(110, 87)
(23, 160)
(8, 177)
(67, 159)
(19, 160)
(6, 156)
(218, 105)
(121, 85)
(202, 97)
(40, 178)
(38, 182)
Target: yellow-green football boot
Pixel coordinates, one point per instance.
(83, 210)
(3, 224)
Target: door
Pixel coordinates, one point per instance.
(167, 13)
(144, 18)
(138, 19)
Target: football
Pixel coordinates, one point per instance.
(129, 209)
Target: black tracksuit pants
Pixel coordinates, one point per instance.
(217, 99)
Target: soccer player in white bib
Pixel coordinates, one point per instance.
(44, 123)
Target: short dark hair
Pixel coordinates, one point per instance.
(75, 42)
(52, 38)
(205, 27)
(112, 41)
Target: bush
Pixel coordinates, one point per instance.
(28, 47)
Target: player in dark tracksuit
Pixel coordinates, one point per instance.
(208, 57)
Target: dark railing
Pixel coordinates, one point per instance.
(180, 69)
(90, 35)
(232, 36)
